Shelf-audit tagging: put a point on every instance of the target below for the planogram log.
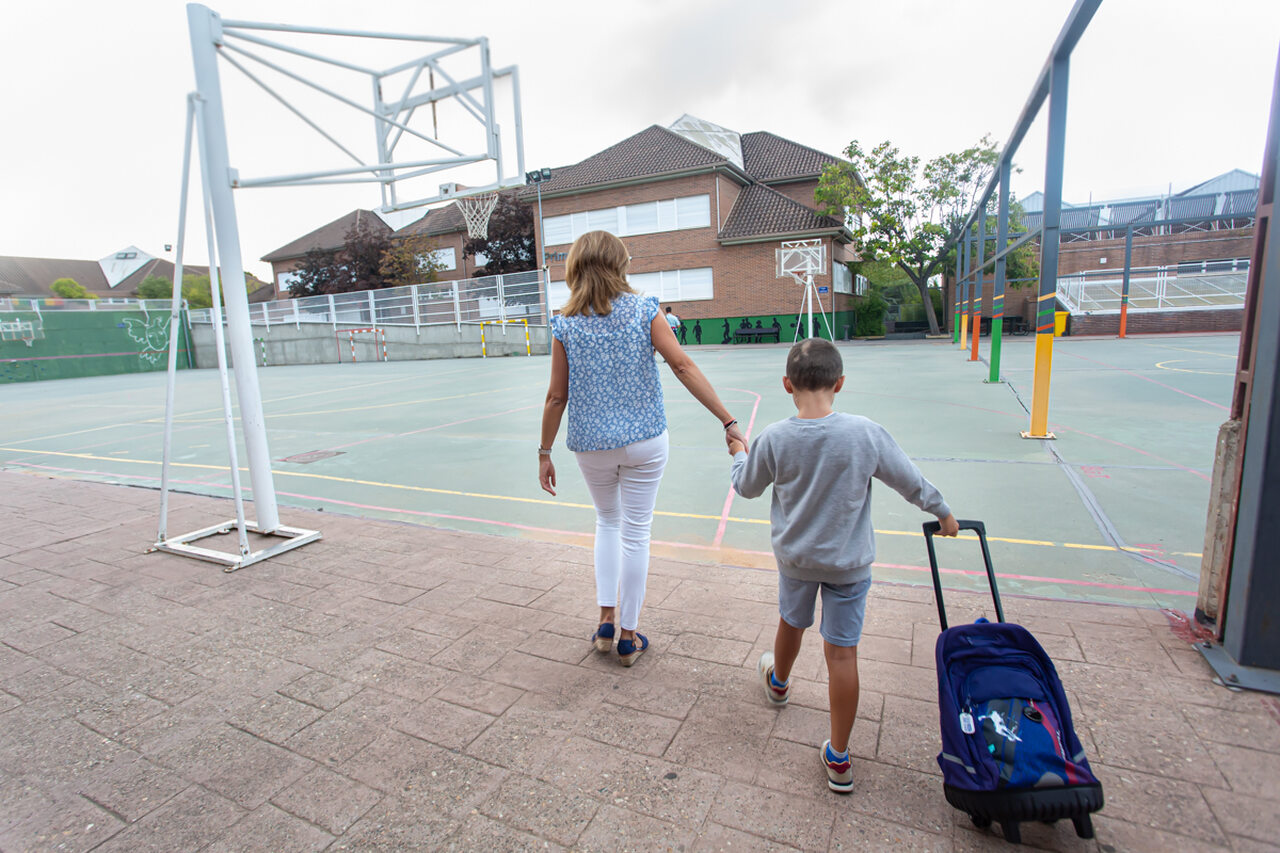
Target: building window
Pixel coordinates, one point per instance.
(675, 285)
(284, 280)
(445, 259)
(668, 286)
(650, 217)
(841, 278)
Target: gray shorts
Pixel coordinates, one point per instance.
(843, 606)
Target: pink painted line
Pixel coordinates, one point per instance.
(1064, 581)
(1152, 381)
(1200, 474)
(91, 355)
(728, 499)
(426, 429)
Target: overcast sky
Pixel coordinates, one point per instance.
(1163, 92)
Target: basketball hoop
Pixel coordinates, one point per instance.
(476, 210)
(802, 260)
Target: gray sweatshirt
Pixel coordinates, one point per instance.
(821, 470)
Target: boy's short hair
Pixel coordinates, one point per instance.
(814, 364)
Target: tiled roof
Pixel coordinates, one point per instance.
(441, 220)
(327, 236)
(769, 158)
(32, 276)
(653, 151)
(764, 212)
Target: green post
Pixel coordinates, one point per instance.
(1002, 243)
(955, 298)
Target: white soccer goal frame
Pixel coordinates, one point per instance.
(211, 37)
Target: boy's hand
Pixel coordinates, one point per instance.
(950, 527)
(736, 447)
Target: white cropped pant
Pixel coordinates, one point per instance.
(624, 488)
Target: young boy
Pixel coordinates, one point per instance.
(820, 464)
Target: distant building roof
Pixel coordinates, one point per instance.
(651, 153)
(762, 213)
(34, 276)
(328, 236)
(1237, 180)
(771, 159)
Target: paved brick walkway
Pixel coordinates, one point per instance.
(399, 688)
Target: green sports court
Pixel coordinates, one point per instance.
(1113, 510)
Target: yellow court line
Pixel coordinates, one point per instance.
(275, 415)
(543, 501)
(1161, 366)
(1232, 356)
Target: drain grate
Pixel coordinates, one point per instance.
(311, 456)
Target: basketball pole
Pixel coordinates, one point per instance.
(206, 32)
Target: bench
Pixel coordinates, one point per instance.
(744, 335)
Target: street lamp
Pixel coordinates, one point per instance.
(536, 177)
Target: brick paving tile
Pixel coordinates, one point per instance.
(482, 833)
(541, 809)
(715, 838)
(444, 724)
(71, 824)
(355, 694)
(1158, 803)
(268, 828)
(130, 786)
(661, 789)
(617, 830)
(778, 816)
(189, 821)
(328, 799)
(724, 736)
(854, 831)
(396, 825)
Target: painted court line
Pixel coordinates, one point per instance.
(723, 519)
(1152, 381)
(728, 500)
(681, 545)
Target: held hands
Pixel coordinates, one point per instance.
(735, 446)
(733, 434)
(547, 474)
(950, 527)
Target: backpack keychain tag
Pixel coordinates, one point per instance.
(966, 723)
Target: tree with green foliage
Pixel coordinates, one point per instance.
(196, 289)
(903, 213)
(509, 245)
(411, 259)
(69, 288)
(355, 266)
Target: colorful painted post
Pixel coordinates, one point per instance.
(1128, 264)
(964, 311)
(955, 301)
(1049, 236)
(976, 324)
(997, 295)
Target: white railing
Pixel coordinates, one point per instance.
(42, 304)
(514, 296)
(1199, 286)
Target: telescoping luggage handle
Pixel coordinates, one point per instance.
(931, 528)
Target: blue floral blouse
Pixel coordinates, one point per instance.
(615, 398)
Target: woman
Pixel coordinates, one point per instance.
(602, 368)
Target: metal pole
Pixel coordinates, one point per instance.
(955, 301)
(1128, 270)
(977, 284)
(1049, 249)
(216, 297)
(997, 296)
(964, 311)
(206, 33)
(161, 533)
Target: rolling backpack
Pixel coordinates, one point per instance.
(1009, 751)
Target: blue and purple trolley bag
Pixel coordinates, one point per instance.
(1009, 752)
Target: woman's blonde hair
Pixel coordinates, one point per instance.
(596, 272)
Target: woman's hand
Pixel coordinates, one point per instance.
(734, 434)
(547, 474)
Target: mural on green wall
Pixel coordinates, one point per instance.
(763, 328)
(90, 343)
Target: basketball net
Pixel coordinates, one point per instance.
(476, 210)
(801, 260)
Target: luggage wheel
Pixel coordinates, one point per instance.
(980, 822)
(1084, 825)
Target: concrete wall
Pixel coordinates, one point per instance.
(317, 343)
